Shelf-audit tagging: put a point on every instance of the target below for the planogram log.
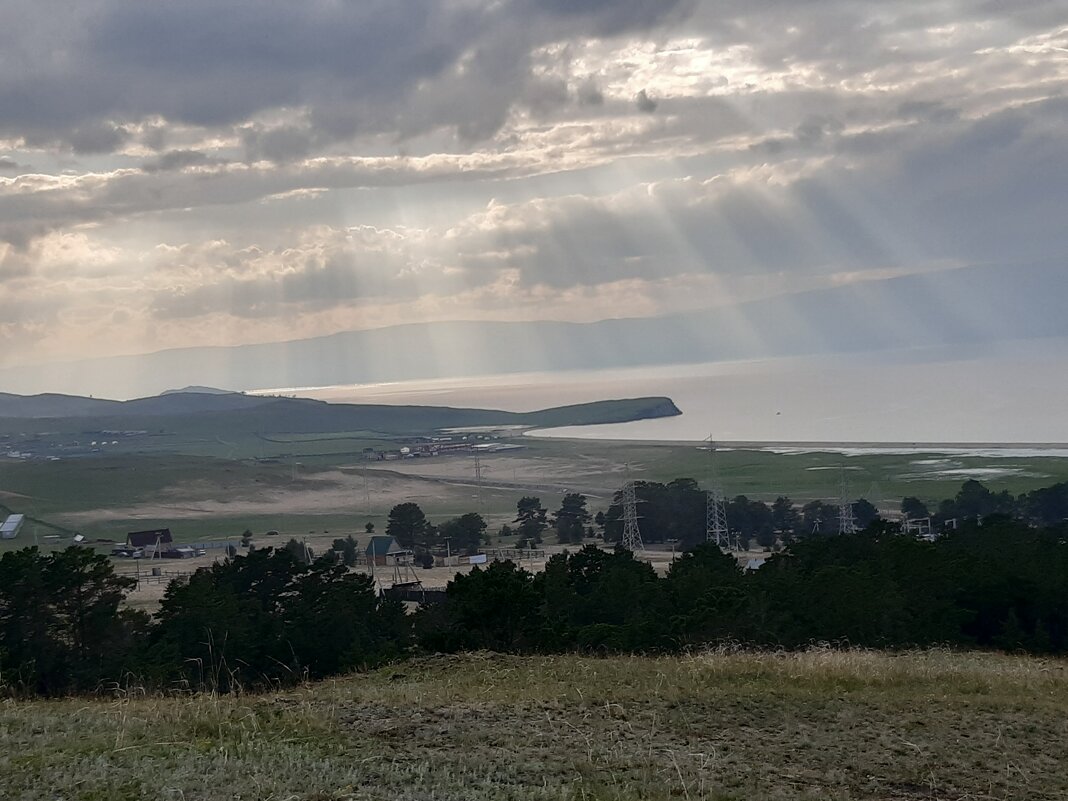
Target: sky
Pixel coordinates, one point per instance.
(187, 173)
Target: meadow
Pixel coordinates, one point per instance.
(725, 725)
(317, 484)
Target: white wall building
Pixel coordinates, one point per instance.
(10, 527)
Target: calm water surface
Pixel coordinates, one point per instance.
(1009, 397)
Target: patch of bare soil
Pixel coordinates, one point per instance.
(312, 494)
(591, 474)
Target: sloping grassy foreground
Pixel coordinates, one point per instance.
(816, 725)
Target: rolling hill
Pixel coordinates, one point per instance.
(231, 413)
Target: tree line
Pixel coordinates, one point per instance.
(274, 617)
(408, 524)
(256, 621)
(1001, 585)
(676, 512)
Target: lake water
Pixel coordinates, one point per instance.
(1015, 395)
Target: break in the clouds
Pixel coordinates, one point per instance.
(180, 173)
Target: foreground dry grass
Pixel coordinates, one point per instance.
(817, 725)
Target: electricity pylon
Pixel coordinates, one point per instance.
(847, 524)
(478, 479)
(632, 536)
(715, 506)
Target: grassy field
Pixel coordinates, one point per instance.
(816, 725)
(763, 474)
(300, 484)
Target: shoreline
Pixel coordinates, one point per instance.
(786, 447)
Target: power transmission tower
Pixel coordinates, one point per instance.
(715, 506)
(478, 480)
(632, 537)
(366, 494)
(847, 524)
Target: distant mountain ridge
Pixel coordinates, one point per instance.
(965, 306)
(231, 413)
(172, 403)
(195, 390)
(52, 405)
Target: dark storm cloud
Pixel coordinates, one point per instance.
(10, 166)
(927, 111)
(589, 93)
(364, 67)
(977, 191)
(96, 137)
(214, 63)
(992, 189)
(645, 104)
(609, 17)
(281, 144)
(401, 67)
(178, 160)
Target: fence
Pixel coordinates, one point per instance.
(155, 575)
(514, 554)
(414, 594)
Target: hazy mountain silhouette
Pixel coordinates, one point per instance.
(197, 390)
(215, 414)
(953, 307)
(170, 403)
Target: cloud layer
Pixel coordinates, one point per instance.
(187, 173)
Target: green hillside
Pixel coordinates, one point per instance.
(234, 414)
